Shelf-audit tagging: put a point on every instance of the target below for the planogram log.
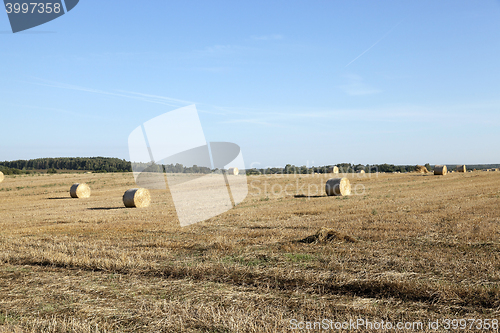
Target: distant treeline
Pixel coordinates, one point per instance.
(353, 168)
(343, 168)
(96, 164)
(11, 171)
(476, 166)
(170, 168)
(109, 164)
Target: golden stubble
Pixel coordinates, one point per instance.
(405, 247)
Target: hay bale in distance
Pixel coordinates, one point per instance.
(1, 176)
(361, 171)
(136, 197)
(325, 235)
(233, 171)
(333, 169)
(79, 190)
(440, 170)
(461, 168)
(421, 169)
(338, 187)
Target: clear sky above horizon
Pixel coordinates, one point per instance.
(299, 82)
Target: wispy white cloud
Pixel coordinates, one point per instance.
(485, 112)
(448, 115)
(61, 111)
(268, 37)
(357, 87)
(149, 98)
(249, 121)
(118, 93)
(378, 41)
(157, 97)
(216, 49)
(221, 51)
(211, 69)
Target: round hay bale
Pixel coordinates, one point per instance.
(333, 169)
(338, 187)
(361, 171)
(2, 177)
(233, 171)
(461, 168)
(440, 170)
(421, 169)
(80, 191)
(136, 197)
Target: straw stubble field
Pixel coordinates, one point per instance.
(413, 247)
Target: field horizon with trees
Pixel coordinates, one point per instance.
(111, 164)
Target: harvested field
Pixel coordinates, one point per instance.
(403, 248)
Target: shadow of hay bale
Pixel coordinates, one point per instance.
(309, 196)
(326, 235)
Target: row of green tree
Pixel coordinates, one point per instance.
(109, 164)
(169, 168)
(94, 164)
(97, 164)
(11, 171)
(343, 168)
(476, 166)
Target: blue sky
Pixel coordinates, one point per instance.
(300, 82)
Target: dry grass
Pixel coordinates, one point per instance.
(423, 248)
